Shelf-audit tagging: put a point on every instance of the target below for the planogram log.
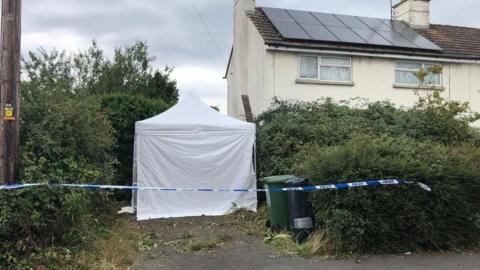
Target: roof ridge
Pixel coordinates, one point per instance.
(455, 26)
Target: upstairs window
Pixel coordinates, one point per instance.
(406, 73)
(325, 68)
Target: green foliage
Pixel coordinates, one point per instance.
(91, 73)
(31, 221)
(124, 110)
(397, 219)
(65, 140)
(78, 116)
(431, 142)
(286, 129)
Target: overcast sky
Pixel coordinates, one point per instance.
(175, 34)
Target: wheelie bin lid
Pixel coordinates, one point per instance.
(276, 179)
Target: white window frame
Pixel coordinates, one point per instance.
(319, 65)
(422, 66)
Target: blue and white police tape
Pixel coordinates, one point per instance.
(369, 183)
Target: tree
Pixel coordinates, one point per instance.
(125, 89)
(91, 73)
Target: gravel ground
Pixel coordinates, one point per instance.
(236, 242)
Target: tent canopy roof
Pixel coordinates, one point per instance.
(191, 115)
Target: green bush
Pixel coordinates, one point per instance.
(284, 130)
(63, 139)
(34, 220)
(77, 125)
(123, 110)
(396, 219)
(335, 142)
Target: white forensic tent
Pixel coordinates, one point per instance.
(193, 146)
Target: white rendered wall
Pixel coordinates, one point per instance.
(274, 73)
(373, 79)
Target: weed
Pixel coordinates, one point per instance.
(197, 245)
(224, 238)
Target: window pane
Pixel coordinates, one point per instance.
(308, 67)
(335, 73)
(334, 61)
(433, 79)
(409, 65)
(406, 77)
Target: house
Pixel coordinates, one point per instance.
(301, 55)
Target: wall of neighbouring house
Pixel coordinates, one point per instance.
(245, 74)
(238, 71)
(274, 73)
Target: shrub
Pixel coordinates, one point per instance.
(67, 139)
(284, 130)
(396, 219)
(431, 142)
(71, 132)
(34, 220)
(123, 110)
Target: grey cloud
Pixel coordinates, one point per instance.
(171, 28)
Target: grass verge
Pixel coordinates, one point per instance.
(115, 246)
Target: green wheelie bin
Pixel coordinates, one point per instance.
(277, 202)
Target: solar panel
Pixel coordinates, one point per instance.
(291, 30)
(375, 24)
(304, 25)
(303, 17)
(278, 15)
(418, 40)
(345, 34)
(327, 19)
(396, 39)
(319, 32)
(372, 37)
(352, 22)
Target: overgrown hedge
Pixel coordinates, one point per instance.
(123, 110)
(431, 142)
(77, 125)
(287, 128)
(397, 219)
(63, 139)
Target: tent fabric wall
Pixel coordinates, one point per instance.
(193, 146)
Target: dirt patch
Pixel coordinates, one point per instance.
(237, 242)
(202, 233)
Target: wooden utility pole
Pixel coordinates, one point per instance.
(9, 90)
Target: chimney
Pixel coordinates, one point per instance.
(415, 13)
(241, 40)
(240, 9)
